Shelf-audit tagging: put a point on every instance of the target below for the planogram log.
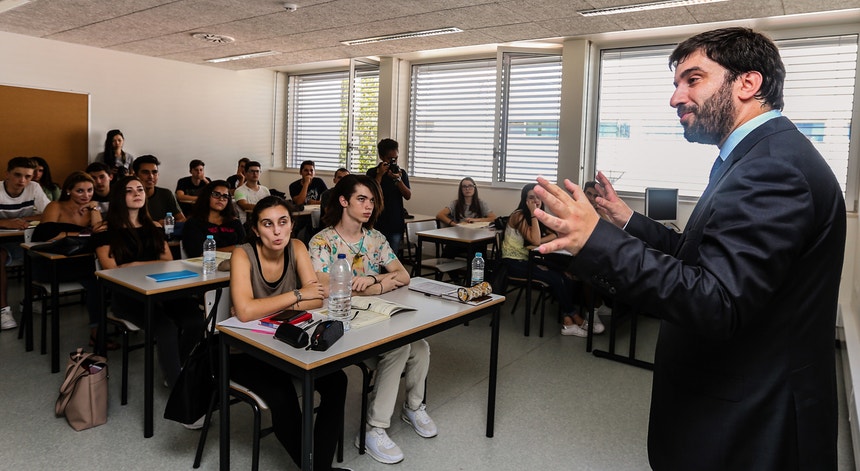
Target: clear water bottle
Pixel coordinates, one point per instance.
(477, 269)
(169, 222)
(340, 290)
(209, 259)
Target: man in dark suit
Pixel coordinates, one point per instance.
(744, 371)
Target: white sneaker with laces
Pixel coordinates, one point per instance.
(573, 329)
(419, 420)
(380, 447)
(7, 320)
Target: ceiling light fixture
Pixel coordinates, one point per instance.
(214, 38)
(6, 5)
(243, 56)
(644, 7)
(412, 34)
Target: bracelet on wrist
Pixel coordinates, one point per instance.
(298, 295)
(375, 280)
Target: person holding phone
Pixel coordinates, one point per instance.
(395, 188)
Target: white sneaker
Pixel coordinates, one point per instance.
(380, 447)
(419, 420)
(7, 320)
(598, 324)
(197, 425)
(576, 330)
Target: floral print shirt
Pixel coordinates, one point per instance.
(367, 256)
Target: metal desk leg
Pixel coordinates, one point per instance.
(416, 268)
(149, 373)
(224, 387)
(27, 315)
(529, 268)
(55, 319)
(308, 422)
(494, 365)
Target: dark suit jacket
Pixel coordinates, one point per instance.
(744, 371)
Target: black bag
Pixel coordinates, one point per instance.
(72, 245)
(198, 381)
(292, 335)
(189, 399)
(325, 335)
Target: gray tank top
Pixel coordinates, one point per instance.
(286, 283)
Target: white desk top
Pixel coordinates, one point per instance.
(460, 234)
(135, 277)
(430, 311)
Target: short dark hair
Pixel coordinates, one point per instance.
(20, 162)
(97, 167)
(740, 50)
(308, 162)
(591, 184)
(386, 145)
(245, 160)
(195, 163)
(252, 163)
(144, 159)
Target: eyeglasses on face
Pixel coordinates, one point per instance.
(468, 186)
(220, 196)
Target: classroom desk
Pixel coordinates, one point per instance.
(27, 314)
(433, 315)
(419, 218)
(472, 240)
(132, 281)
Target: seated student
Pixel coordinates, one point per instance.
(102, 178)
(269, 273)
(523, 230)
(237, 180)
(324, 197)
(130, 238)
(349, 220)
(308, 189)
(42, 176)
(187, 188)
(75, 213)
(247, 195)
(212, 214)
(159, 201)
(467, 207)
(21, 201)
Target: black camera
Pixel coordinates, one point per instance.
(393, 166)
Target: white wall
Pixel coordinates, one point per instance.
(173, 110)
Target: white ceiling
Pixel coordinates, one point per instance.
(312, 33)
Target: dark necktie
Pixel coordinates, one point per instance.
(714, 169)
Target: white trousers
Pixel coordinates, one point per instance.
(415, 358)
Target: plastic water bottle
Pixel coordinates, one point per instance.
(169, 222)
(340, 290)
(209, 246)
(477, 269)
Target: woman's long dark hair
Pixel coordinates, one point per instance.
(200, 210)
(46, 181)
(460, 208)
(523, 208)
(110, 159)
(119, 222)
(346, 188)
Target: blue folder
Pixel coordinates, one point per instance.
(172, 275)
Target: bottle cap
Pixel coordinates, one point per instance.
(477, 254)
(210, 236)
(341, 255)
(169, 214)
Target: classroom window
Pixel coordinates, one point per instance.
(464, 121)
(640, 142)
(332, 118)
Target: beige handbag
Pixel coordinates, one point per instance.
(84, 393)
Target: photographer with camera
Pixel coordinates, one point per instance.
(395, 188)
